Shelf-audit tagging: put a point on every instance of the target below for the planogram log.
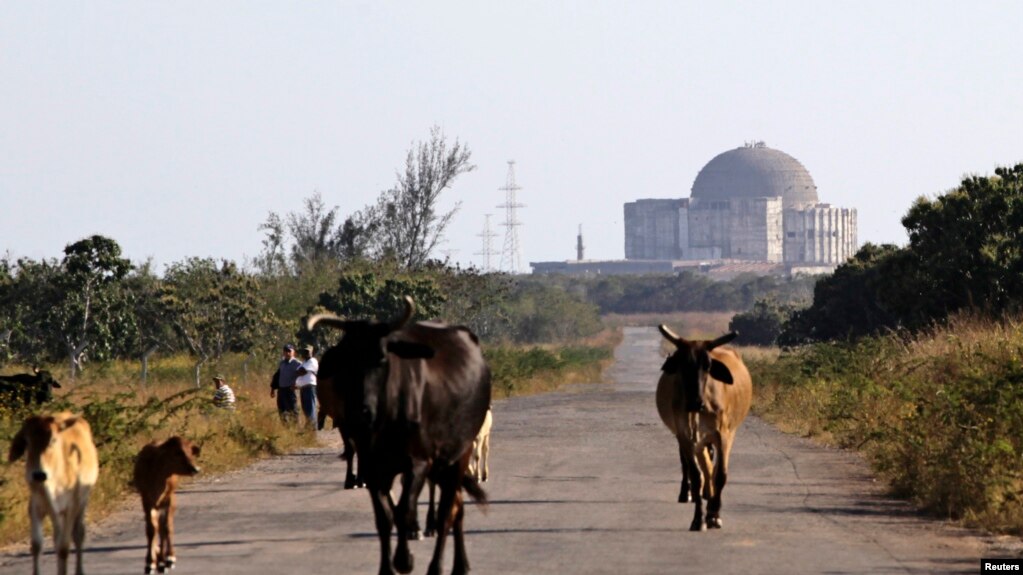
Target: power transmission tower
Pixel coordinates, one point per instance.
(488, 246)
(510, 255)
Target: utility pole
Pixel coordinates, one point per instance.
(488, 246)
(510, 257)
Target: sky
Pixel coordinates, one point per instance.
(175, 128)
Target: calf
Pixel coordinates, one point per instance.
(61, 467)
(157, 468)
(28, 388)
(703, 395)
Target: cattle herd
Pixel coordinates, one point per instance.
(411, 401)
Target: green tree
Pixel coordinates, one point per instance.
(407, 220)
(215, 309)
(762, 324)
(92, 309)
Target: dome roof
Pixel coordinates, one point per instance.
(756, 171)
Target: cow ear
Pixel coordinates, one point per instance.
(670, 364)
(720, 372)
(18, 446)
(196, 450)
(410, 350)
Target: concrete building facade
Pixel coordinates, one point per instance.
(753, 203)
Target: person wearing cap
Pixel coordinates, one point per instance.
(306, 383)
(223, 397)
(282, 386)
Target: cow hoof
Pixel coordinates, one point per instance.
(697, 525)
(149, 569)
(404, 563)
(415, 535)
(684, 497)
(714, 523)
(430, 532)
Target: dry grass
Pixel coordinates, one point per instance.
(119, 405)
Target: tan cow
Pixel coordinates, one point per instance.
(60, 467)
(157, 468)
(479, 463)
(703, 395)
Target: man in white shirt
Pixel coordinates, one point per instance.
(306, 383)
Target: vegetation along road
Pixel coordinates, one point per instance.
(582, 481)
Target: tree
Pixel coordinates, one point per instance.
(215, 309)
(762, 324)
(92, 310)
(407, 221)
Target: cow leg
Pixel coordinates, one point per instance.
(684, 495)
(36, 516)
(61, 540)
(351, 481)
(431, 512)
(724, 448)
(485, 458)
(380, 495)
(461, 564)
(79, 538)
(449, 482)
(167, 529)
(152, 554)
(706, 467)
(689, 463)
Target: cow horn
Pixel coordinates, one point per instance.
(723, 340)
(410, 308)
(326, 319)
(670, 335)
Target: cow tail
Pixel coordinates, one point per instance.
(472, 487)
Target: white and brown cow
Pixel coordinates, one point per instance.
(61, 466)
(703, 395)
(157, 468)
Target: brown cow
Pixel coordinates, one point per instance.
(61, 467)
(332, 404)
(157, 468)
(703, 395)
(416, 396)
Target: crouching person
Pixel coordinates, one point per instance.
(157, 468)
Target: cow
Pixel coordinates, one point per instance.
(479, 463)
(61, 467)
(332, 404)
(155, 477)
(416, 396)
(703, 395)
(28, 388)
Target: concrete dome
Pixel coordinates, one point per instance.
(756, 171)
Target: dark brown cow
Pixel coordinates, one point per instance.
(157, 468)
(332, 404)
(703, 395)
(416, 396)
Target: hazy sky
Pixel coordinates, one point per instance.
(176, 127)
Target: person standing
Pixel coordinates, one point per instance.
(282, 385)
(306, 383)
(223, 397)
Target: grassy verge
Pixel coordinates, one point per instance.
(124, 416)
(939, 415)
(525, 370)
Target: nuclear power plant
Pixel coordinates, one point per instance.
(752, 209)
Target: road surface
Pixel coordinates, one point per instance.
(582, 481)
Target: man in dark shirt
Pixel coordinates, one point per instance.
(283, 384)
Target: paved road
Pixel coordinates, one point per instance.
(583, 481)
